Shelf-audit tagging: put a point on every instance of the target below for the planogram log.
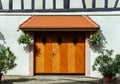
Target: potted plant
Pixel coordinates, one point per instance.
(94, 39)
(108, 66)
(24, 39)
(7, 60)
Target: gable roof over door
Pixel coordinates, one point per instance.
(59, 23)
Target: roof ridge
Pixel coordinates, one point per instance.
(93, 22)
(26, 21)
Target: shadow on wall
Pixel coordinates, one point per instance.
(26, 48)
(101, 46)
(2, 38)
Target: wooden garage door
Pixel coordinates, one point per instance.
(59, 52)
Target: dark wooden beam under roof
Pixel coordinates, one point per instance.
(116, 3)
(61, 10)
(10, 4)
(1, 7)
(22, 4)
(106, 4)
(32, 4)
(44, 3)
(93, 3)
(84, 5)
(66, 4)
(54, 4)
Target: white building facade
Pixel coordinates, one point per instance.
(109, 22)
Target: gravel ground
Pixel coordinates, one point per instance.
(49, 80)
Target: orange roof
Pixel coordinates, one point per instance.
(59, 22)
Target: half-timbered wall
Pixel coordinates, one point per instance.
(58, 5)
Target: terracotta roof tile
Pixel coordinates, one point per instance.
(56, 22)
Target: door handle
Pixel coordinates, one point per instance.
(53, 54)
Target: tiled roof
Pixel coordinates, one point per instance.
(59, 22)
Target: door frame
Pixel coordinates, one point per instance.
(87, 55)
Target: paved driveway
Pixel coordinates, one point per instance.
(49, 80)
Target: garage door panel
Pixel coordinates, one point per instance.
(71, 58)
(63, 58)
(47, 57)
(53, 56)
(79, 56)
(39, 56)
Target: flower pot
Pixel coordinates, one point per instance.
(107, 79)
(1, 76)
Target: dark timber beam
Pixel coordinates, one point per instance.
(1, 7)
(84, 4)
(66, 4)
(43, 4)
(106, 4)
(33, 4)
(10, 4)
(61, 10)
(54, 4)
(22, 4)
(93, 3)
(116, 3)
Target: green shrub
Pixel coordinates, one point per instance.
(7, 60)
(94, 39)
(24, 39)
(106, 64)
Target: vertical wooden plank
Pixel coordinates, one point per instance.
(22, 4)
(56, 56)
(106, 4)
(44, 2)
(93, 3)
(33, 4)
(39, 55)
(66, 4)
(10, 4)
(71, 56)
(84, 4)
(48, 56)
(63, 56)
(1, 7)
(80, 55)
(54, 4)
(116, 3)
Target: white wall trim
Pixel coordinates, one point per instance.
(107, 13)
(87, 57)
(31, 56)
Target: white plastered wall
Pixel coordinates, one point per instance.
(8, 29)
(110, 26)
